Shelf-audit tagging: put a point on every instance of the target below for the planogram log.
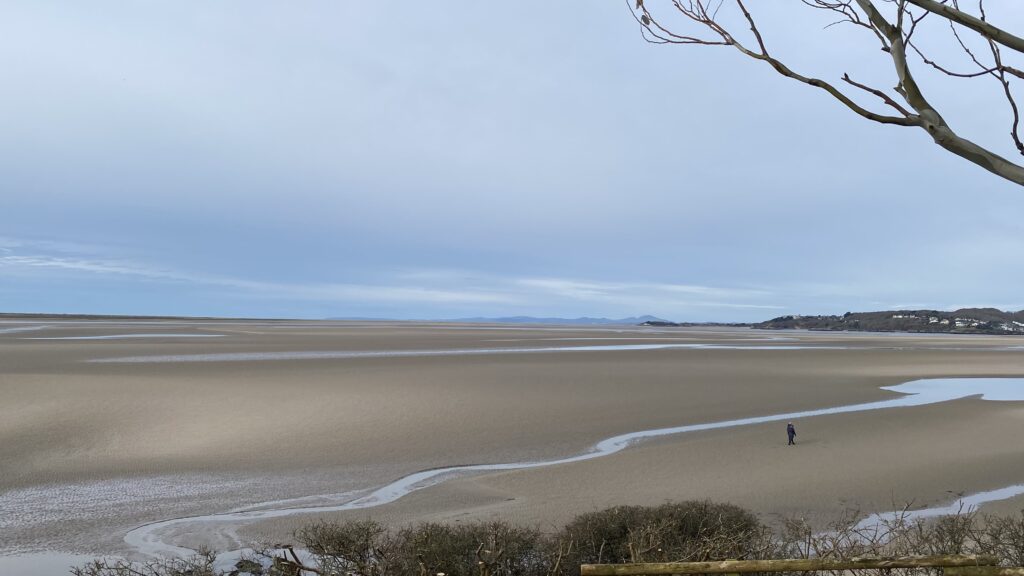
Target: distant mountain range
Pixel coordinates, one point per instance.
(962, 321)
(632, 321)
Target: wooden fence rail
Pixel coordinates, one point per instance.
(952, 565)
(984, 571)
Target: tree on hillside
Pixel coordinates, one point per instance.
(985, 51)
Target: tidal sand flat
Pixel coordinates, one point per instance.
(105, 446)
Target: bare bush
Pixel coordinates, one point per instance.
(496, 548)
(1003, 537)
(199, 565)
(681, 532)
(687, 531)
(361, 547)
(366, 548)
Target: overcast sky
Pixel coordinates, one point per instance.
(447, 159)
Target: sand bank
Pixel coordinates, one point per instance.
(185, 438)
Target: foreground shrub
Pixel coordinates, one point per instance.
(683, 532)
(686, 531)
(361, 547)
(199, 565)
(366, 548)
(497, 548)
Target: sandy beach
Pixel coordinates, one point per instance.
(101, 432)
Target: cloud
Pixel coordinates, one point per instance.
(9, 243)
(371, 293)
(426, 287)
(569, 288)
(325, 292)
(354, 168)
(1008, 307)
(658, 294)
(74, 264)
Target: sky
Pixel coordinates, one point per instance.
(426, 160)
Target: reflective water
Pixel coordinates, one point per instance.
(966, 503)
(341, 354)
(17, 329)
(124, 336)
(42, 563)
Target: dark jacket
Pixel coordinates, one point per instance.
(790, 430)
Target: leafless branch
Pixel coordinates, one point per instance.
(966, 20)
(896, 37)
(697, 11)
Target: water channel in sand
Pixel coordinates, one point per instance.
(148, 539)
(154, 539)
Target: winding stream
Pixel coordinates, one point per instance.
(148, 540)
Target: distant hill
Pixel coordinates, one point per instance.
(125, 317)
(665, 324)
(963, 321)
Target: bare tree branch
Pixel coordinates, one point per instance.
(895, 37)
(697, 11)
(885, 97)
(1001, 76)
(997, 35)
(930, 119)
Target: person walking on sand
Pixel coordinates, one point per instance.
(791, 432)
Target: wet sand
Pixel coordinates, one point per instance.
(91, 450)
